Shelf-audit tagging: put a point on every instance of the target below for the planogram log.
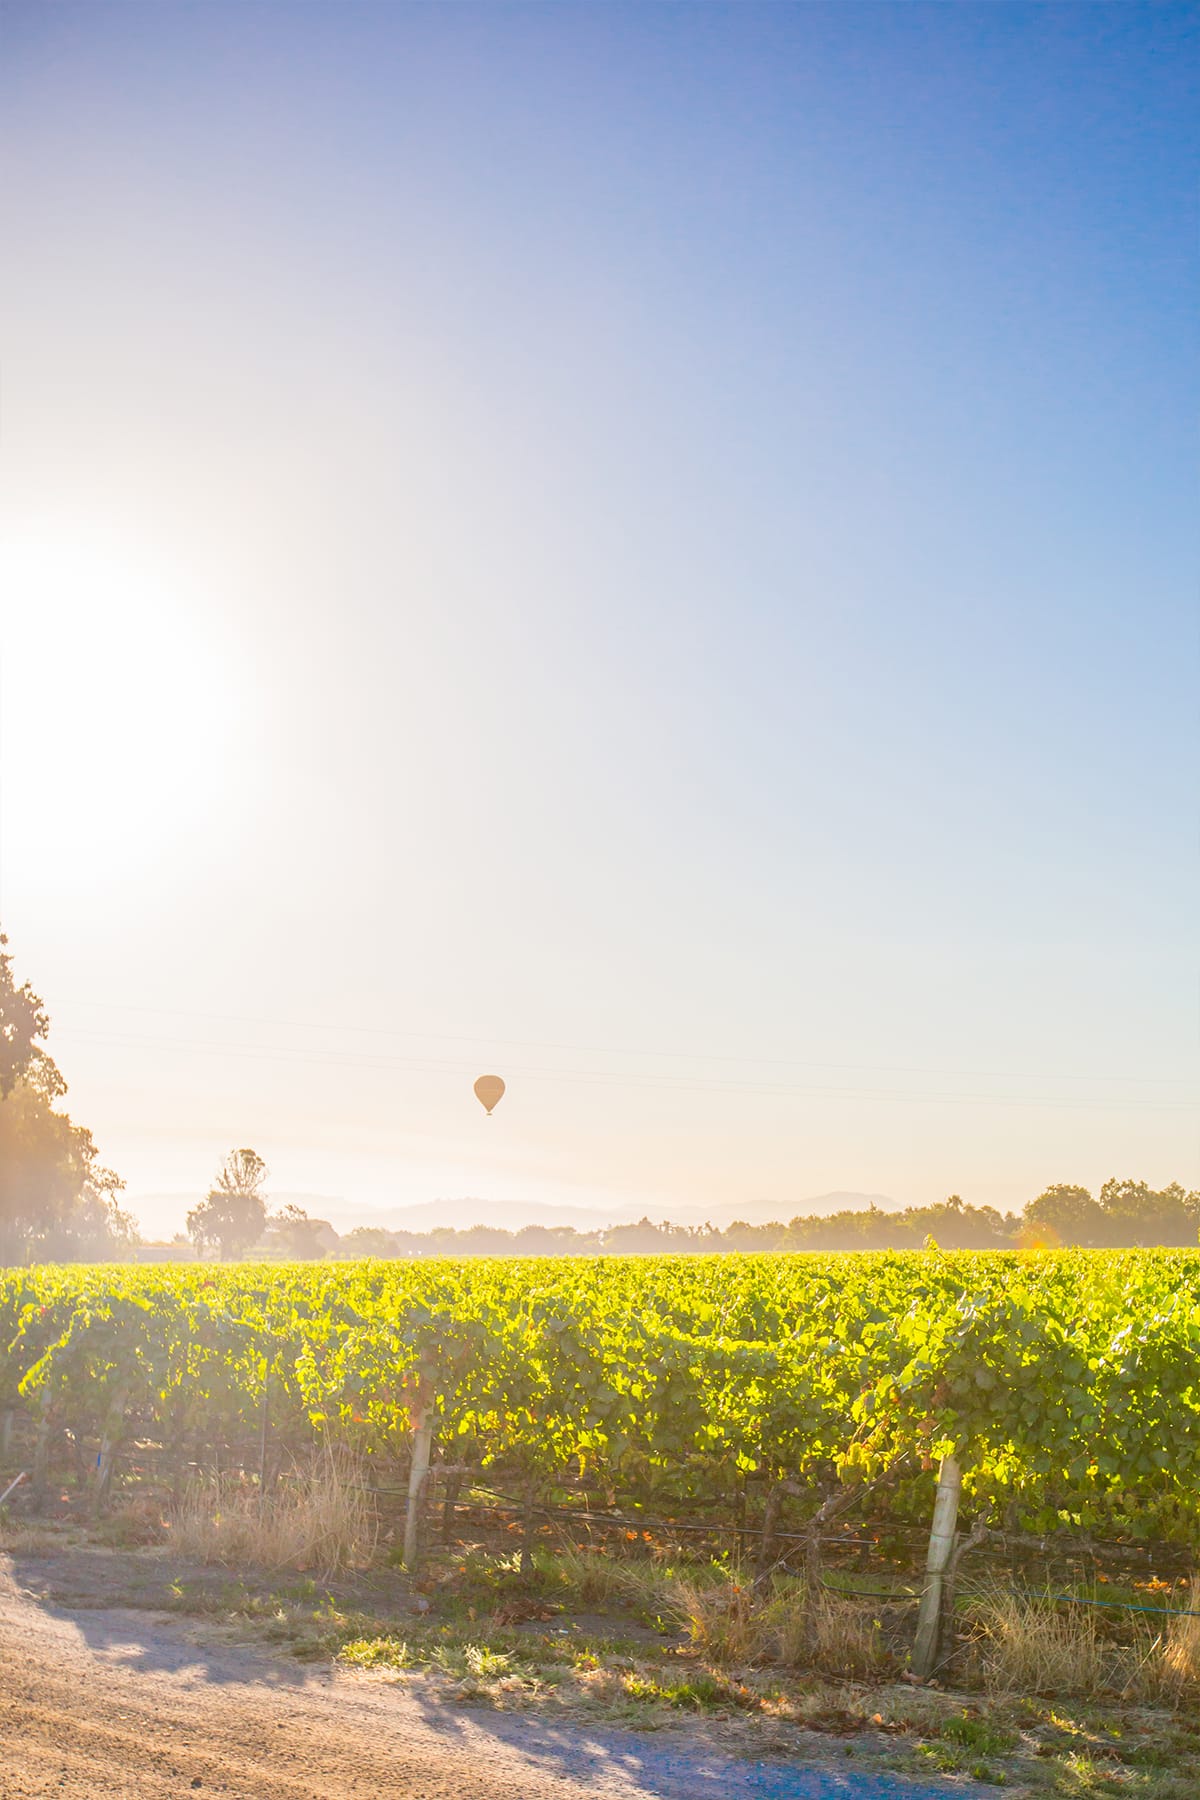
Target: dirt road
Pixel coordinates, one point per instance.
(100, 1703)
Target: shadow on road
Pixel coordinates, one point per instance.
(122, 1629)
(666, 1766)
(132, 1630)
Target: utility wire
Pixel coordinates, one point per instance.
(482, 1039)
(612, 1078)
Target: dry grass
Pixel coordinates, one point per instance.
(721, 1619)
(1181, 1653)
(602, 1580)
(319, 1518)
(1030, 1644)
(129, 1527)
(1025, 1644)
(29, 1540)
(834, 1633)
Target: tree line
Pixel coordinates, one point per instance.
(1127, 1213)
(234, 1220)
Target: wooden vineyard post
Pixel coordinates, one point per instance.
(527, 1518)
(941, 1547)
(6, 1425)
(264, 1426)
(422, 1441)
(41, 1451)
(452, 1489)
(114, 1430)
(766, 1544)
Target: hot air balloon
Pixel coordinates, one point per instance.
(489, 1091)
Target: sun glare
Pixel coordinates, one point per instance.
(116, 708)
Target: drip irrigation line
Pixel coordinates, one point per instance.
(490, 1499)
(1166, 1612)
(1044, 1548)
(871, 1594)
(509, 1505)
(660, 1527)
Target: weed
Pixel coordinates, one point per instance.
(485, 1662)
(376, 1653)
(977, 1734)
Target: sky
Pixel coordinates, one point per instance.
(650, 549)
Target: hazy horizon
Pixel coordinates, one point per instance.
(164, 1215)
(648, 549)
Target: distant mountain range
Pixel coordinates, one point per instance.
(511, 1215)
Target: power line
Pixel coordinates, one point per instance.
(335, 1027)
(612, 1078)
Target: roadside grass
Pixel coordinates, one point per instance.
(642, 1647)
(1051, 1704)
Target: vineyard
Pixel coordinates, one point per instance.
(1066, 1385)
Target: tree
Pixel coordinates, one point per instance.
(303, 1239)
(231, 1217)
(23, 1021)
(642, 1239)
(1138, 1214)
(1067, 1214)
(370, 1240)
(56, 1202)
(957, 1226)
(743, 1236)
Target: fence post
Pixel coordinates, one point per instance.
(110, 1443)
(766, 1544)
(422, 1439)
(264, 1426)
(941, 1546)
(41, 1450)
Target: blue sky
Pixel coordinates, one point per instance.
(652, 547)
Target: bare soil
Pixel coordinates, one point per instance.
(99, 1699)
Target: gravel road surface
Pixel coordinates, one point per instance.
(99, 1703)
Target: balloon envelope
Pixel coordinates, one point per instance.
(488, 1090)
